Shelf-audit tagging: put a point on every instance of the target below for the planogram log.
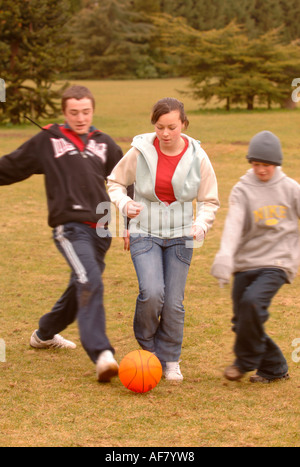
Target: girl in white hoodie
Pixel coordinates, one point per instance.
(169, 170)
(260, 246)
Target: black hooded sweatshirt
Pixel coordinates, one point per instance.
(75, 171)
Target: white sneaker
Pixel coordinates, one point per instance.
(106, 367)
(172, 371)
(58, 342)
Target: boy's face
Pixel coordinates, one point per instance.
(79, 114)
(264, 172)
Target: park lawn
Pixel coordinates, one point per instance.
(51, 398)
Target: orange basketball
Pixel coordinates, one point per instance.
(140, 371)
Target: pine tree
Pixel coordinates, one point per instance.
(291, 19)
(145, 6)
(75, 5)
(257, 16)
(265, 15)
(215, 64)
(226, 64)
(113, 40)
(33, 53)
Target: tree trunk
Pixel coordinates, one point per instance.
(227, 103)
(250, 102)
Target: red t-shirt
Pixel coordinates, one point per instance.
(166, 166)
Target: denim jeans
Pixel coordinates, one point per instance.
(252, 294)
(162, 267)
(84, 251)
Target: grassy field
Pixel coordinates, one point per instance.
(51, 398)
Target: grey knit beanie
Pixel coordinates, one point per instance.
(265, 147)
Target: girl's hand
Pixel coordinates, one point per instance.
(133, 209)
(126, 237)
(198, 233)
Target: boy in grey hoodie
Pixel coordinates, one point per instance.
(260, 245)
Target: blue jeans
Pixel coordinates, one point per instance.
(162, 267)
(252, 294)
(84, 251)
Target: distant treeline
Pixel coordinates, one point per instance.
(237, 50)
(124, 39)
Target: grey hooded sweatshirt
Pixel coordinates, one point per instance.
(262, 227)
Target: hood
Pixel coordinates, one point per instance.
(251, 179)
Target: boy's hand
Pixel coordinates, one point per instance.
(222, 283)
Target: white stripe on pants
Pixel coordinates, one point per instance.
(71, 255)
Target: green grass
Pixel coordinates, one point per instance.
(51, 398)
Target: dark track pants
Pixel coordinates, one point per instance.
(84, 251)
(252, 294)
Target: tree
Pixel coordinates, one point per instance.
(225, 63)
(257, 16)
(117, 44)
(199, 14)
(75, 5)
(267, 69)
(264, 15)
(33, 53)
(290, 17)
(145, 6)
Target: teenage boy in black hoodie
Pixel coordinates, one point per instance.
(75, 159)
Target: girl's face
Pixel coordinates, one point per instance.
(168, 130)
(264, 172)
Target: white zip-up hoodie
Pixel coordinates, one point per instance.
(262, 227)
(193, 179)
